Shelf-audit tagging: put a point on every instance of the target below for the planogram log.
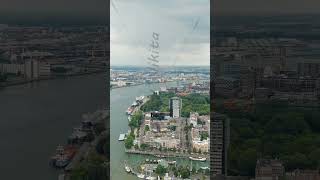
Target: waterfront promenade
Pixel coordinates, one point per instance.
(158, 153)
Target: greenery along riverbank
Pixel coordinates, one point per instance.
(273, 131)
(190, 103)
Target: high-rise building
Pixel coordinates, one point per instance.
(175, 105)
(219, 136)
(32, 69)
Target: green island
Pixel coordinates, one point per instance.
(273, 130)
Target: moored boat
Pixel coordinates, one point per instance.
(198, 158)
(141, 176)
(127, 168)
(129, 110)
(63, 156)
(172, 162)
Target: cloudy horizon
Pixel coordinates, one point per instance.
(183, 25)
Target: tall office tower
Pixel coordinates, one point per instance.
(220, 136)
(175, 105)
(31, 69)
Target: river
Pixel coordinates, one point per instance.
(37, 117)
(120, 100)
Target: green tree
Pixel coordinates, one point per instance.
(146, 128)
(136, 119)
(161, 170)
(144, 146)
(184, 172)
(204, 135)
(129, 141)
(247, 161)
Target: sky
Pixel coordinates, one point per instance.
(183, 27)
(53, 11)
(40, 9)
(265, 7)
(54, 7)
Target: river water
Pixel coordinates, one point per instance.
(120, 100)
(37, 117)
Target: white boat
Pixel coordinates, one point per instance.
(204, 168)
(122, 137)
(134, 104)
(141, 176)
(198, 158)
(172, 162)
(127, 169)
(151, 178)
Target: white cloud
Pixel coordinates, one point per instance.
(133, 22)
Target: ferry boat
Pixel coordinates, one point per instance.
(198, 158)
(140, 99)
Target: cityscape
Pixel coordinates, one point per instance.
(265, 98)
(46, 66)
(160, 90)
(33, 53)
(169, 126)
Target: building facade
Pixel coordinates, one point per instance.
(175, 105)
(219, 133)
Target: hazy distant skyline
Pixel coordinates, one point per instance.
(134, 21)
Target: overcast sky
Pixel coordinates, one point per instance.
(94, 8)
(134, 21)
(261, 7)
(55, 7)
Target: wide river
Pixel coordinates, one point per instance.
(120, 100)
(35, 118)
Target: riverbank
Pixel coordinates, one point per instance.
(37, 117)
(166, 154)
(138, 84)
(21, 81)
(89, 149)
